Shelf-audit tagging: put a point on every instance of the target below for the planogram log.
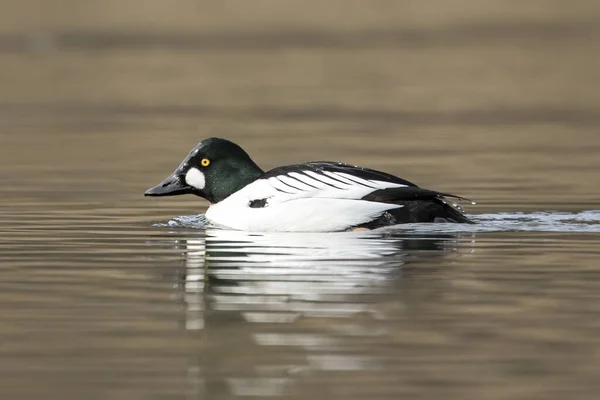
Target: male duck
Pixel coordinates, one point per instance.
(309, 197)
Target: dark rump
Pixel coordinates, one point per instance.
(417, 211)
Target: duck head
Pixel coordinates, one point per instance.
(214, 169)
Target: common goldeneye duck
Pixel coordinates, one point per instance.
(314, 196)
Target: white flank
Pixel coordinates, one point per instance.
(300, 215)
(298, 202)
(195, 178)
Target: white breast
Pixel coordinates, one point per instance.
(302, 202)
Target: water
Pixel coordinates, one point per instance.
(118, 307)
(549, 221)
(105, 294)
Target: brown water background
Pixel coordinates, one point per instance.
(106, 295)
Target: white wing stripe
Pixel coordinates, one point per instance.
(328, 181)
(308, 180)
(281, 186)
(337, 176)
(388, 184)
(358, 180)
(370, 182)
(295, 183)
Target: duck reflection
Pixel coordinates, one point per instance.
(277, 307)
(280, 277)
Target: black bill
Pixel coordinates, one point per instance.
(171, 186)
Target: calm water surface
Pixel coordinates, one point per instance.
(107, 295)
(104, 303)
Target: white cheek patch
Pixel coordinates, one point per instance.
(195, 178)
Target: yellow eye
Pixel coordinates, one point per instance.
(205, 162)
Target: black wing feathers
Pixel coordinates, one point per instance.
(416, 204)
(393, 195)
(408, 192)
(328, 166)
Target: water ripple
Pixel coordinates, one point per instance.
(543, 221)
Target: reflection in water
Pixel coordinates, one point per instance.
(291, 292)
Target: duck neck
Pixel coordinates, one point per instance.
(236, 175)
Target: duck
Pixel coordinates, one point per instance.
(316, 196)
